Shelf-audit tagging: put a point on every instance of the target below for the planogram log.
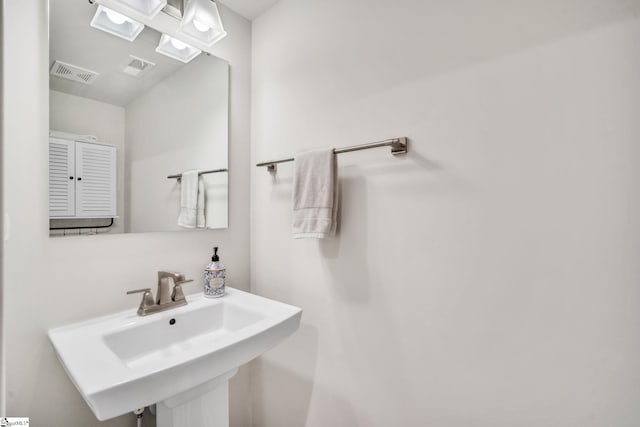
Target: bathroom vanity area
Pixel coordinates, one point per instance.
(188, 125)
(179, 359)
(159, 116)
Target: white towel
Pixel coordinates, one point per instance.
(192, 201)
(315, 194)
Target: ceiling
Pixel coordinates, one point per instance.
(250, 9)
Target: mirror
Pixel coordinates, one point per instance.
(158, 116)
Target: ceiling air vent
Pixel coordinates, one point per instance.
(73, 73)
(137, 66)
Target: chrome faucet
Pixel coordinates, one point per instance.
(166, 298)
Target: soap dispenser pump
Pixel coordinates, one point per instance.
(214, 277)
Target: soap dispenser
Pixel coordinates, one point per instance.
(214, 277)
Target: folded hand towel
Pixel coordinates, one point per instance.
(315, 194)
(192, 201)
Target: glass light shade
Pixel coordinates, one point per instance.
(176, 49)
(149, 8)
(116, 24)
(201, 22)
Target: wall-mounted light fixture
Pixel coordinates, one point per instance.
(116, 23)
(176, 49)
(201, 22)
(198, 23)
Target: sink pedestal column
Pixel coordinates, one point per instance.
(204, 406)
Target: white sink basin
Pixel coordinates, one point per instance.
(123, 361)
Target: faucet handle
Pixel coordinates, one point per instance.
(147, 299)
(177, 294)
(139, 291)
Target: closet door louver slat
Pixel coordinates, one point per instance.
(61, 178)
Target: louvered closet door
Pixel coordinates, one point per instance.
(62, 179)
(95, 181)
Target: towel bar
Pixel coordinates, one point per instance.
(398, 146)
(179, 176)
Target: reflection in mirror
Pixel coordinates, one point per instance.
(126, 118)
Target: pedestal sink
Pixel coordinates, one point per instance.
(179, 359)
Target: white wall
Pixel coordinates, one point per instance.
(488, 279)
(51, 282)
(84, 116)
(2, 225)
(182, 123)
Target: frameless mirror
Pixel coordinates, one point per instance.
(126, 122)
